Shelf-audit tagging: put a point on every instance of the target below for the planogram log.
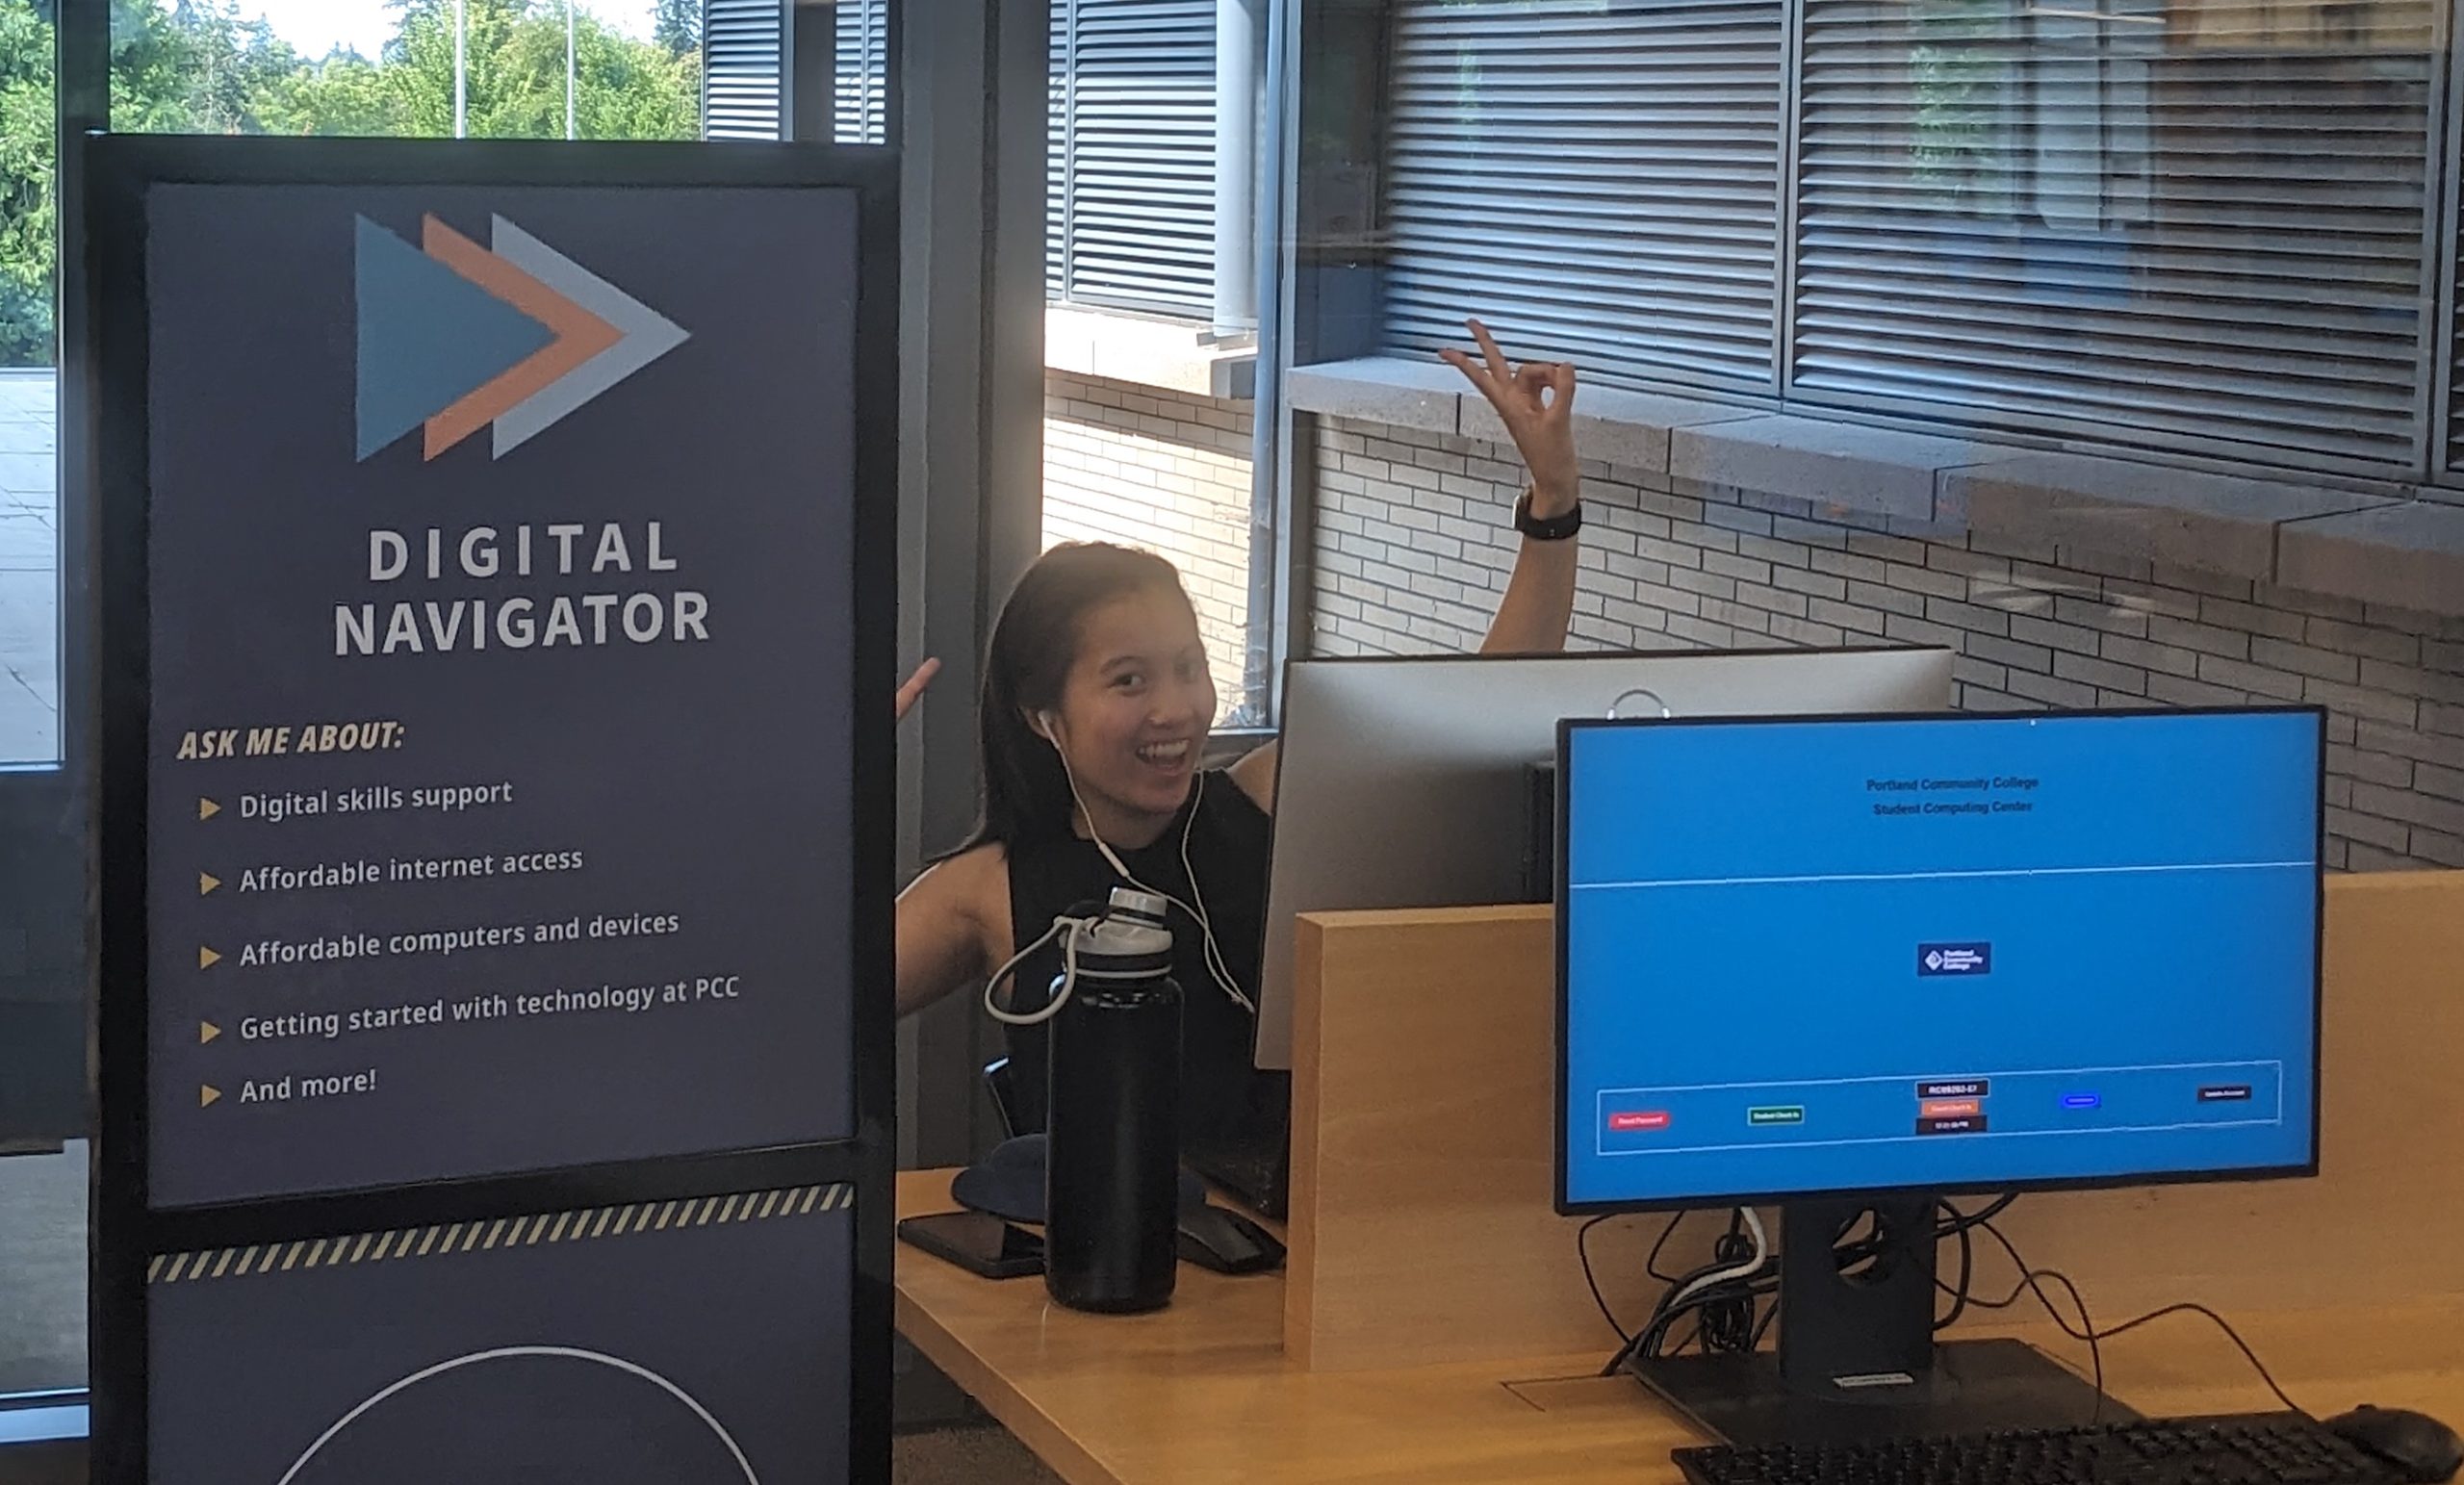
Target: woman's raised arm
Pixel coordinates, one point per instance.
(1537, 403)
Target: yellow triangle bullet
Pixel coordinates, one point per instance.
(206, 1032)
(207, 958)
(206, 1095)
(207, 809)
(206, 882)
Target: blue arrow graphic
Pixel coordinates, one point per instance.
(427, 337)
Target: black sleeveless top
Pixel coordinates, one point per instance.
(1232, 1114)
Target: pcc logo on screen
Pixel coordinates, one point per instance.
(454, 336)
(1954, 959)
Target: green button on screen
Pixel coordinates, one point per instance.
(1788, 1115)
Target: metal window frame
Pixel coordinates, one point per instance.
(2445, 454)
(2437, 359)
(971, 462)
(1784, 252)
(1283, 593)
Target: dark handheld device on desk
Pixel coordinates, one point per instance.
(977, 1242)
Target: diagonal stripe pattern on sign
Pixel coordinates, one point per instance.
(426, 336)
(580, 336)
(644, 335)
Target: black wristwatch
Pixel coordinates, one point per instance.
(1552, 528)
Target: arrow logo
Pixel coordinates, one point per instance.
(454, 336)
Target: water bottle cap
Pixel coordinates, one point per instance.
(1144, 905)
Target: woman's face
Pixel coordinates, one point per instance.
(1136, 708)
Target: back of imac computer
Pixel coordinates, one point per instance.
(1405, 782)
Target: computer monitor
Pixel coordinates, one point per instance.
(1853, 965)
(1404, 782)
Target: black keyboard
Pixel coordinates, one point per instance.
(2256, 1449)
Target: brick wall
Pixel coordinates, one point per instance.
(1165, 471)
(1411, 546)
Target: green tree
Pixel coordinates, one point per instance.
(195, 66)
(678, 26)
(27, 221)
(344, 94)
(515, 75)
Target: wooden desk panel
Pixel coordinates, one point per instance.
(1202, 1392)
(1425, 1086)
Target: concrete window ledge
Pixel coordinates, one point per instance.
(2399, 552)
(1173, 355)
(2409, 554)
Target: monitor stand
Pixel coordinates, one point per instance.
(1856, 1358)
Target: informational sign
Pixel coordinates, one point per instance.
(493, 883)
(500, 625)
(641, 1344)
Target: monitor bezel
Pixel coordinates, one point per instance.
(1568, 727)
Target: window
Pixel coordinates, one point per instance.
(2213, 228)
(587, 69)
(2455, 321)
(745, 96)
(1132, 214)
(1597, 178)
(800, 69)
(1152, 277)
(42, 1161)
(2197, 227)
(29, 286)
(861, 54)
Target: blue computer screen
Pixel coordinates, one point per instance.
(1936, 953)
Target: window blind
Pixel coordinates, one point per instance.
(1131, 190)
(1596, 179)
(744, 55)
(2190, 225)
(2455, 359)
(861, 65)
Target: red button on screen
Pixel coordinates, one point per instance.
(1632, 1124)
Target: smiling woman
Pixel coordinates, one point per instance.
(1098, 703)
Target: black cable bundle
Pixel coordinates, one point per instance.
(1732, 1316)
(1724, 1316)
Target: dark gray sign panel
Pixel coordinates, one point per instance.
(641, 1344)
(501, 643)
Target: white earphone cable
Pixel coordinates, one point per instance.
(1216, 967)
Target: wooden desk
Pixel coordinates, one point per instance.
(1434, 1325)
(1203, 1392)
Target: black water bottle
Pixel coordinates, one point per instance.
(1113, 1159)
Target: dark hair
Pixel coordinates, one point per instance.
(1035, 643)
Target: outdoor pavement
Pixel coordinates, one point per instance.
(29, 569)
